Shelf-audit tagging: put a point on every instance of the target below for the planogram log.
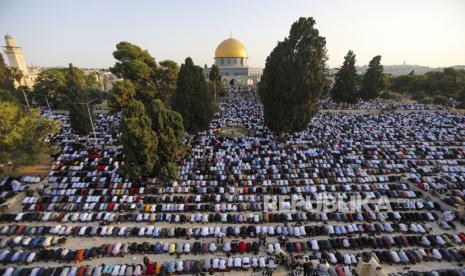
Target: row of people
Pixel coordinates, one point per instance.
(220, 231)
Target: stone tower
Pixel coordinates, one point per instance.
(15, 57)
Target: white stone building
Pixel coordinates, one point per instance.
(231, 58)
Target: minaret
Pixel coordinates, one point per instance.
(15, 55)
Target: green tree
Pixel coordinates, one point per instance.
(167, 75)
(8, 96)
(139, 141)
(168, 126)
(345, 84)
(121, 94)
(214, 74)
(22, 134)
(136, 65)
(148, 83)
(6, 78)
(192, 99)
(440, 99)
(461, 99)
(92, 80)
(373, 80)
(294, 78)
(447, 83)
(215, 81)
(52, 84)
(152, 80)
(77, 97)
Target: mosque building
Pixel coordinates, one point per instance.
(231, 58)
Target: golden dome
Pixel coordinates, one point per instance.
(231, 48)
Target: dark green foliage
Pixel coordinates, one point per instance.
(373, 80)
(390, 96)
(133, 63)
(51, 83)
(345, 84)
(166, 79)
(139, 141)
(139, 67)
(441, 100)
(76, 97)
(448, 83)
(461, 98)
(168, 126)
(121, 94)
(214, 74)
(21, 133)
(151, 80)
(426, 100)
(294, 78)
(8, 96)
(6, 77)
(149, 84)
(215, 83)
(192, 99)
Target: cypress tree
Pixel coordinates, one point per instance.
(192, 99)
(345, 85)
(77, 96)
(294, 78)
(139, 141)
(373, 80)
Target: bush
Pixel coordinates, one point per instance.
(390, 96)
(439, 99)
(426, 100)
(418, 96)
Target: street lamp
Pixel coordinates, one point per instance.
(90, 116)
(25, 98)
(46, 100)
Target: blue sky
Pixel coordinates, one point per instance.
(85, 32)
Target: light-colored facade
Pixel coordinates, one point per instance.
(15, 59)
(231, 58)
(105, 78)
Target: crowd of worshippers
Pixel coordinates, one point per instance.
(245, 231)
(10, 186)
(235, 180)
(378, 104)
(235, 246)
(181, 267)
(436, 272)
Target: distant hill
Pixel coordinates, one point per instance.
(398, 70)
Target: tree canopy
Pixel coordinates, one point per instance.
(447, 83)
(21, 133)
(168, 74)
(6, 78)
(168, 126)
(149, 84)
(121, 94)
(345, 84)
(192, 99)
(294, 78)
(52, 83)
(76, 98)
(216, 85)
(139, 141)
(373, 80)
(151, 80)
